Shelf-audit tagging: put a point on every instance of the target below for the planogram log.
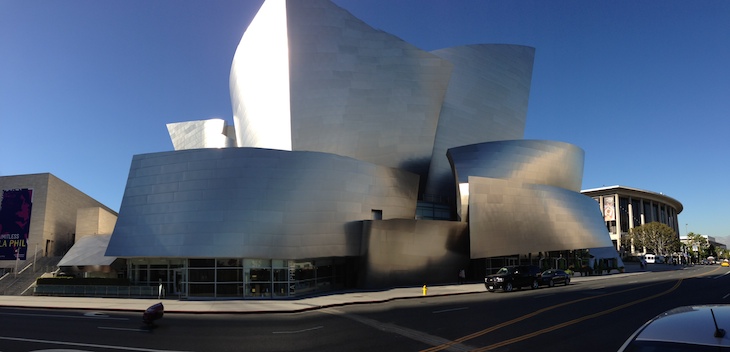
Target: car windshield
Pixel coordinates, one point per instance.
(503, 271)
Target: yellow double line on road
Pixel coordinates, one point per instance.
(555, 327)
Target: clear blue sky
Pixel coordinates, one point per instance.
(643, 86)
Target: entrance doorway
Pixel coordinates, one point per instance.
(179, 283)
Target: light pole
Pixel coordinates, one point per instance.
(17, 259)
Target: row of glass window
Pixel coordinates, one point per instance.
(651, 211)
(237, 277)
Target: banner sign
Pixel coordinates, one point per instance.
(15, 208)
(609, 210)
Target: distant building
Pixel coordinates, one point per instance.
(624, 208)
(52, 214)
(711, 241)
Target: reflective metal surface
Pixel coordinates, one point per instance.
(259, 81)
(358, 124)
(413, 252)
(508, 217)
(259, 203)
(486, 101)
(212, 133)
(522, 196)
(551, 163)
(353, 90)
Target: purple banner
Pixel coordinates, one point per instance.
(15, 208)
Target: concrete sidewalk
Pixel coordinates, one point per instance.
(275, 305)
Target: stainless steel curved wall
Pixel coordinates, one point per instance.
(542, 162)
(522, 196)
(353, 90)
(259, 81)
(412, 252)
(355, 118)
(533, 161)
(508, 217)
(259, 203)
(212, 133)
(486, 101)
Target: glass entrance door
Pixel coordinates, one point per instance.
(179, 283)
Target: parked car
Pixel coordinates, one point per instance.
(509, 278)
(687, 328)
(552, 277)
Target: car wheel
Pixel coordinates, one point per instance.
(535, 284)
(508, 287)
(551, 283)
(567, 281)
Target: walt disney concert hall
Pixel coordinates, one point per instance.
(355, 159)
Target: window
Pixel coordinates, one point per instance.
(377, 214)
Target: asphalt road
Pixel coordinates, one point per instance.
(588, 315)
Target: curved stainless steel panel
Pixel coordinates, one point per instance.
(259, 81)
(212, 133)
(351, 90)
(366, 114)
(508, 217)
(260, 203)
(413, 252)
(550, 163)
(486, 101)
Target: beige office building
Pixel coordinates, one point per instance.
(53, 214)
(624, 208)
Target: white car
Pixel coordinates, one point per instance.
(688, 328)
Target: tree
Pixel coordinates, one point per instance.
(698, 244)
(656, 237)
(722, 253)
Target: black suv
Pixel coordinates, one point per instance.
(512, 277)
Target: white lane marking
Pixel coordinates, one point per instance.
(123, 329)
(83, 344)
(725, 296)
(449, 310)
(727, 273)
(297, 331)
(96, 314)
(66, 316)
(409, 333)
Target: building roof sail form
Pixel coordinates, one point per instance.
(259, 81)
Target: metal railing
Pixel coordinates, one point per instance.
(96, 291)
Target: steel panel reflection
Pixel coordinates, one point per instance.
(486, 101)
(212, 133)
(402, 252)
(250, 200)
(551, 163)
(508, 217)
(351, 90)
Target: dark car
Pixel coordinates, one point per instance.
(552, 277)
(513, 277)
(689, 328)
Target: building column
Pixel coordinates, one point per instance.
(617, 214)
(631, 223)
